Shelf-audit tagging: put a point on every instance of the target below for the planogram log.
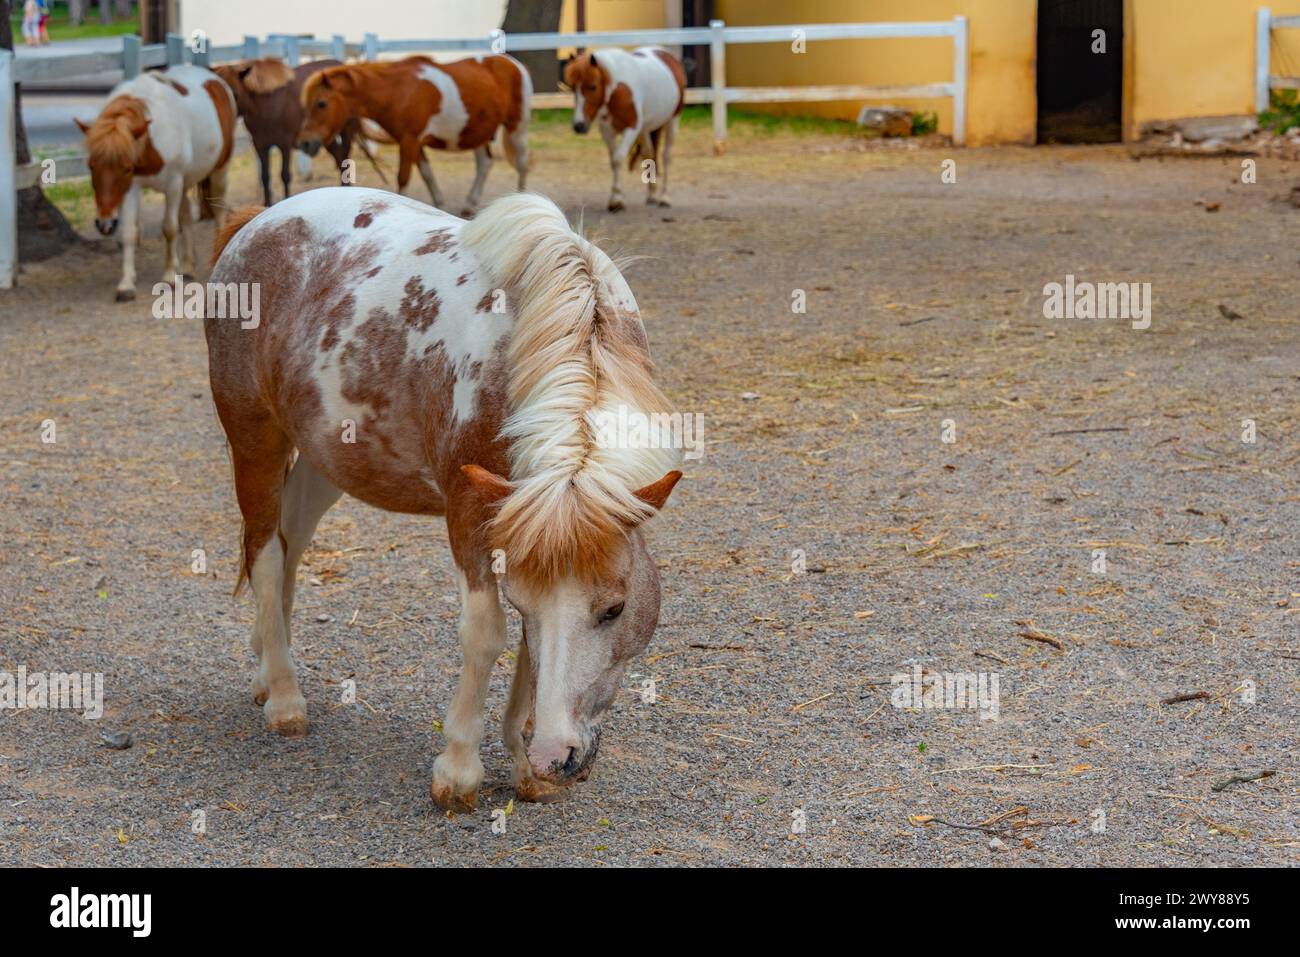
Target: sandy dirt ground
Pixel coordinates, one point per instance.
(828, 540)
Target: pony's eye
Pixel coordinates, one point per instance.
(321, 104)
(612, 612)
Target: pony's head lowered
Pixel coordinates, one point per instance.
(588, 81)
(119, 149)
(568, 521)
(326, 106)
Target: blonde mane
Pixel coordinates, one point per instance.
(571, 359)
(114, 135)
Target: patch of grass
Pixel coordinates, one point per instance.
(923, 124)
(75, 199)
(1283, 111)
(742, 124)
(61, 29)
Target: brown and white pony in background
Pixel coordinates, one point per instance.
(473, 362)
(418, 102)
(168, 131)
(268, 93)
(635, 98)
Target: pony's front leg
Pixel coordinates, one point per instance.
(514, 727)
(175, 193)
(482, 166)
(458, 771)
(620, 144)
(130, 227)
(264, 168)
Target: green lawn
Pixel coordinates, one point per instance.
(60, 29)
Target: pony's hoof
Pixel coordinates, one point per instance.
(447, 798)
(467, 212)
(124, 295)
(287, 717)
(616, 206)
(261, 691)
(663, 201)
(533, 791)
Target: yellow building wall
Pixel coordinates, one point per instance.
(1002, 105)
(1197, 57)
(616, 15)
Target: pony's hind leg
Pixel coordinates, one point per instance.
(286, 170)
(516, 147)
(664, 145)
(308, 495)
(482, 166)
(426, 173)
(185, 223)
(260, 453)
(264, 170)
(458, 771)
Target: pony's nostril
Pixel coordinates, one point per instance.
(571, 763)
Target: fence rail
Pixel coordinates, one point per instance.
(1266, 81)
(135, 57)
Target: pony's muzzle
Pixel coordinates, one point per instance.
(309, 146)
(581, 126)
(106, 227)
(562, 762)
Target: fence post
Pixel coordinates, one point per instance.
(1263, 35)
(338, 47)
(251, 47)
(199, 55)
(372, 47)
(960, 75)
(8, 197)
(175, 49)
(130, 56)
(291, 49)
(718, 80)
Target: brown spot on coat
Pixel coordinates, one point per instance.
(622, 108)
(679, 74)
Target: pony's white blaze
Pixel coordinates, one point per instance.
(380, 307)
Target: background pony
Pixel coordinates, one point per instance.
(451, 106)
(268, 93)
(169, 131)
(636, 99)
(382, 311)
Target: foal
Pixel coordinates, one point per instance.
(436, 367)
(449, 106)
(167, 130)
(269, 95)
(635, 98)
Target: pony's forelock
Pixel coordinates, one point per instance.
(111, 137)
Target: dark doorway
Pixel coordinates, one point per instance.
(1080, 88)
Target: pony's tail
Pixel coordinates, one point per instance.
(233, 224)
(206, 208)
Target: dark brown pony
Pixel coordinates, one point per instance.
(268, 92)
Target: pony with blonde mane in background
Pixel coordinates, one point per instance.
(421, 103)
(636, 99)
(431, 366)
(168, 131)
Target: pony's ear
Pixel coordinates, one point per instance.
(592, 58)
(140, 129)
(84, 127)
(656, 493)
(490, 486)
(243, 74)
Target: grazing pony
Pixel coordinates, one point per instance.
(268, 93)
(436, 367)
(417, 102)
(636, 99)
(167, 130)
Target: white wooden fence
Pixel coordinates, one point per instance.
(135, 57)
(1265, 24)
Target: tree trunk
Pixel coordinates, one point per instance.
(42, 230)
(76, 12)
(123, 9)
(536, 16)
(105, 11)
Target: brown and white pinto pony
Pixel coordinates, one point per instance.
(431, 366)
(635, 98)
(418, 102)
(268, 93)
(169, 131)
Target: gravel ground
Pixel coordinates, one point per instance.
(924, 304)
